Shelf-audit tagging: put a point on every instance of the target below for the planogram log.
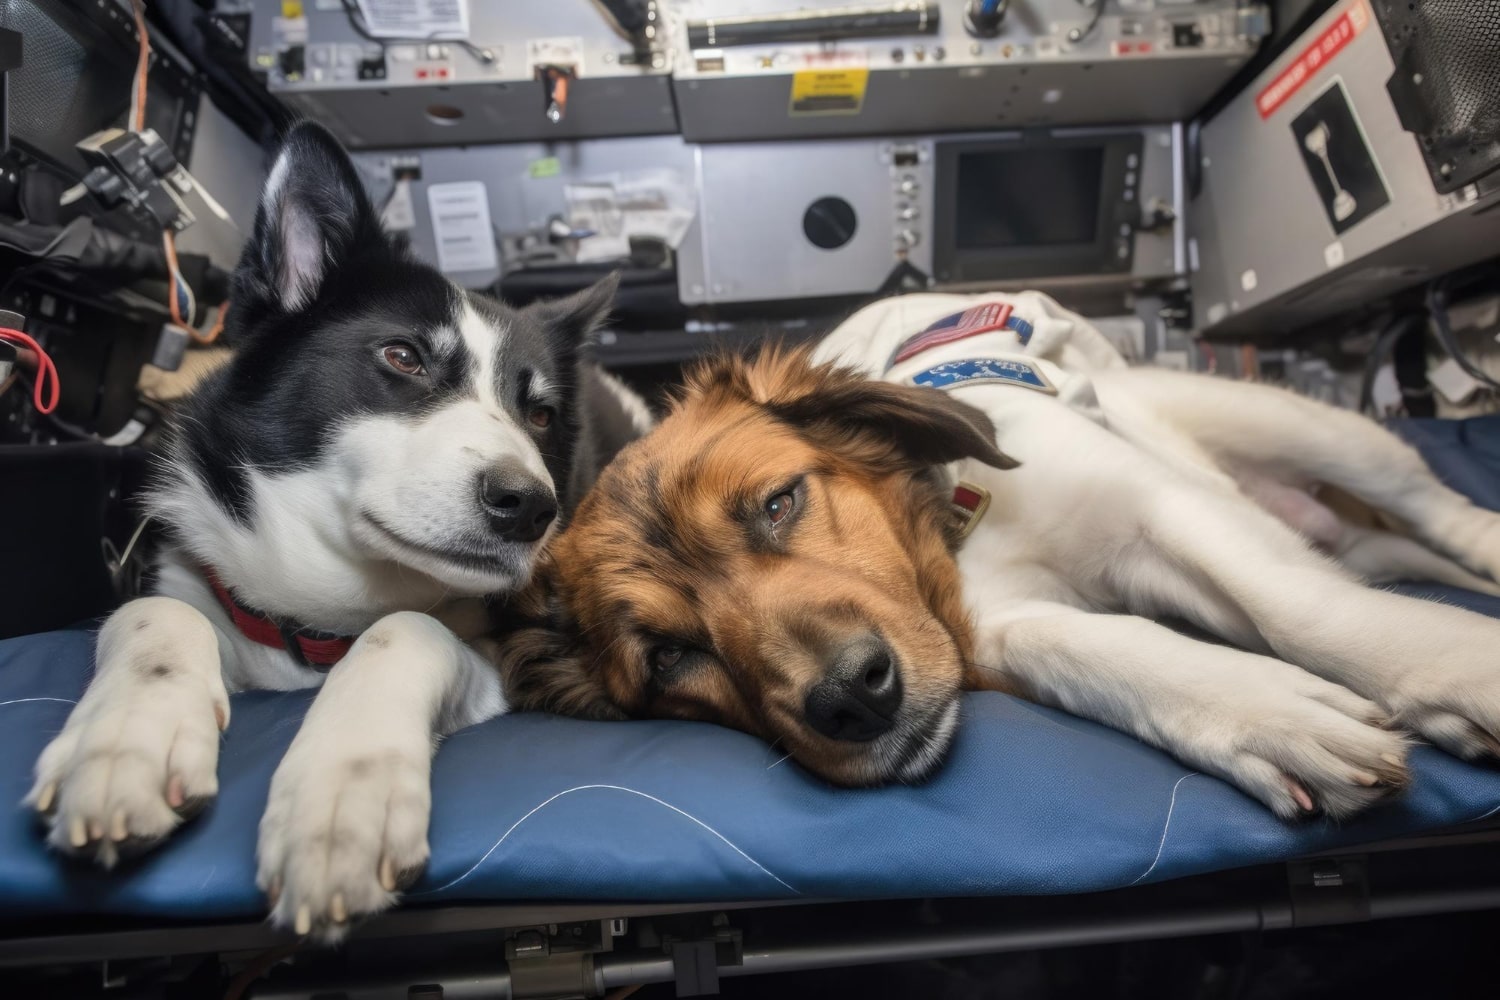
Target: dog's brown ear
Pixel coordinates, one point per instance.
(543, 664)
(545, 670)
(925, 425)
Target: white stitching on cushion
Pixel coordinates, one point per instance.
(1166, 826)
(615, 788)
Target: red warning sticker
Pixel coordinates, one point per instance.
(1313, 58)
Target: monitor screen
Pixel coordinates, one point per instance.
(1028, 197)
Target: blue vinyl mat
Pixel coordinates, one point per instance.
(536, 807)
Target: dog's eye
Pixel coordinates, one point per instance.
(540, 417)
(405, 359)
(779, 506)
(666, 657)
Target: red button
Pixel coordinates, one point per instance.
(421, 74)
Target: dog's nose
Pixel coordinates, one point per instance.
(519, 507)
(858, 699)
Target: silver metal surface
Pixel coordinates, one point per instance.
(437, 93)
(1131, 67)
(232, 166)
(748, 244)
(1268, 257)
(518, 200)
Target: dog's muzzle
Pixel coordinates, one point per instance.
(519, 507)
(859, 698)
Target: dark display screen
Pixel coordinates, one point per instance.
(1028, 197)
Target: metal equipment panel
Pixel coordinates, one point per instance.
(769, 226)
(443, 92)
(1315, 199)
(1046, 62)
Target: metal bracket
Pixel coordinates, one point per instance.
(1324, 891)
(557, 959)
(696, 967)
(696, 958)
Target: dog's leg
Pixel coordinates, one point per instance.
(1216, 560)
(346, 823)
(1383, 557)
(1294, 741)
(140, 751)
(1263, 427)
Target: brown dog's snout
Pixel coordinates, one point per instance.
(858, 698)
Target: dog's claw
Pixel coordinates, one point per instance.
(176, 796)
(96, 830)
(337, 911)
(273, 891)
(303, 924)
(1365, 778)
(387, 875)
(1301, 795)
(78, 834)
(1392, 760)
(45, 799)
(117, 828)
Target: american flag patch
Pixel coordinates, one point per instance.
(969, 323)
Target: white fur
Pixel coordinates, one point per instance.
(303, 256)
(1136, 499)
(635, 407)
(356, 776)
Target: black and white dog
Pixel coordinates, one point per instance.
(383, 450)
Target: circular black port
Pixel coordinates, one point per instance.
(829, 223)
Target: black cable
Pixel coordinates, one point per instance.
(1437, 306)
(356, 21)
(1079, 34)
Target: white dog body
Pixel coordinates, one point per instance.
(1147, 494)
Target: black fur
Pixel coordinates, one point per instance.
(305, 363)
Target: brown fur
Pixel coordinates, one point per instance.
(673, 546)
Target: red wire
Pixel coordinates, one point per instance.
(45, 369)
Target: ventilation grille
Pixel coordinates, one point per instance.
(1447, 82)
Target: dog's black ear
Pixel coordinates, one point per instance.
(314, 216)
(925, 425)
(569, 321)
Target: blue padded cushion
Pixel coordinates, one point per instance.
(537, 807)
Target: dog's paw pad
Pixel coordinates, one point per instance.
(341, 839)
(125, 776)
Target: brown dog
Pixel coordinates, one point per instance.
(782, 556)
(783, 526)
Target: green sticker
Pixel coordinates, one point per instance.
(548, 167)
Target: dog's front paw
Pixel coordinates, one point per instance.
(341, 836)
(131, 764)
(1309, 747)
(1455, 705)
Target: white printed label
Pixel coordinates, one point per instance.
(1455, 384)
(1333, 254)
(461, 226)
(399, 212)
(563, 51)
(416, 19)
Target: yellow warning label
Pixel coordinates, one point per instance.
(828, 91)
(291, 8)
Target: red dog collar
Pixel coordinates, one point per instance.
(309, 647)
